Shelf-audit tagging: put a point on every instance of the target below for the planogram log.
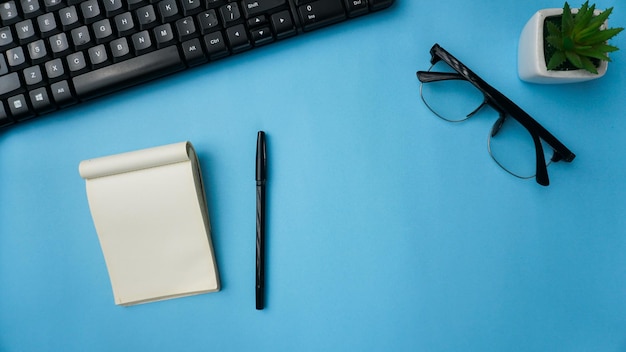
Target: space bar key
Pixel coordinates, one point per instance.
(128, 73)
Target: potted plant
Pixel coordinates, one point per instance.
(566, 45)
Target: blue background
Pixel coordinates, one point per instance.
(388, 229)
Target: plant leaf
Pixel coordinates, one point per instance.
(583, 17)
(594, 25)
(588, 65)
(567, 20)
(556, 60)
(593, 53)
(555, 41)
(553, 29)
(606, 48)
(574, 59)
(598, 21)
(601, 36)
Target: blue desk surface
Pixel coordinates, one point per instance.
(388, 229)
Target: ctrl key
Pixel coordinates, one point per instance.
(215, 46)
(19, 108)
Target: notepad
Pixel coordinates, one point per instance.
(150, 214)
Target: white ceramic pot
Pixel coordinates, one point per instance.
(531, 65)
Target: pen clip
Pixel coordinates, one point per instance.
(261, 159)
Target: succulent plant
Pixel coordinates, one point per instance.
(579, 39)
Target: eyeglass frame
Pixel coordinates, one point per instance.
(504, 106)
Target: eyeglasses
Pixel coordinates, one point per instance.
(454, 93)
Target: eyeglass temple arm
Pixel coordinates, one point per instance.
(542, 170)
(535, 129)
(429, 76)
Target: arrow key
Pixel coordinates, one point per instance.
(283, 24)
(262, 36)
(257, 21)
(238, 38)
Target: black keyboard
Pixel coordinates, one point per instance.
(56, 53)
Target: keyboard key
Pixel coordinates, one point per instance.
(124, 24)
(127, 73)
(214, 3)
(40, 100)
(25, 31)
(192, 51)
(59, 44)
(81, 37)
(102, 31)
(283, 24)
(97, 56)
(52, 5)
(30, 8)
(146, 17)
(47, 24)
(185, 28)
(119, 49)
(191, 7)
(3, 65)
(19, 107)
(255, 7)
(208, 21)
(141, 42)
(112, 7)
(230, 13)
(32, 75)
(90, 10)
(54, 69)
(76, 62)
(9, 83)
(321, 13)
(257, 21)
(69, 18)
(9, 13)
(376, 5)
(168, 10)
(16, 57)
(61, 94)
(133, 4)
(6, 37)
(215, 46)
(261, 36)
(37, 51)
(356, 7)
(238, 38)
(164, 35)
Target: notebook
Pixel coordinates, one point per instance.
(149, 211)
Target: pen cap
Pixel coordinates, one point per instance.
(261, 159)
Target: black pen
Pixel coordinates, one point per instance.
(261, 173)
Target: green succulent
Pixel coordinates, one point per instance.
(579, 39)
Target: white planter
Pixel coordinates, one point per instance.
(531, 65)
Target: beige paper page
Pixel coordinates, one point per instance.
(150, 213)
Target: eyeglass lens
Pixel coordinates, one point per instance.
(452, 100)
(509, 144)
(512, 148)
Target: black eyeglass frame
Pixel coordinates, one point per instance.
(504, 106)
